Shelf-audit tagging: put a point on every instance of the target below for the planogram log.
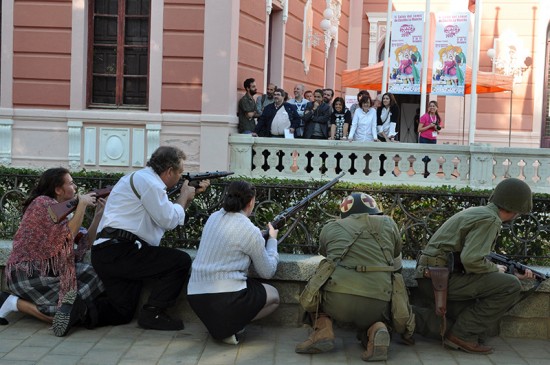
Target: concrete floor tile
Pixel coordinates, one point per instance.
(72, 348)
(42, 341)
(59, 360)
(149, 353)
(111, 357)
(7, 344)
(26, 353)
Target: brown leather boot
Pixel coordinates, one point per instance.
(471, 347)
(321, 339)
(379, 341)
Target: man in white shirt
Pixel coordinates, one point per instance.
(126, 251)
(277, 117)
(299, 101)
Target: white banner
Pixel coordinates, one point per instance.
(449, 60)
(405, 53)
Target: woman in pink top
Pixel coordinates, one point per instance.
(430, 125)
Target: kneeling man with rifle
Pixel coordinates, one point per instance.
(126, 251)
(454, 266)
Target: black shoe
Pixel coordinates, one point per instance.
(156, 319)
(71, 312)
(3, 297)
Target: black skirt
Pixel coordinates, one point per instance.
(225, 314)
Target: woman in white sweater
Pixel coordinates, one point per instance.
(363, 125)
(219, 291)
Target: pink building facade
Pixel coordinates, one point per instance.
(99, 84)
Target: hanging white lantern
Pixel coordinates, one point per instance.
(325, 24)
(328, 13)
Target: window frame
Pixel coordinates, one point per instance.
(120, 55)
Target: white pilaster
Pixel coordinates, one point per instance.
(75, 143)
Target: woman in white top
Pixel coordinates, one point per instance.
(219, 290)
(387, 119)
(363, 125)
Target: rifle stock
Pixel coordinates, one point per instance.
(60, 211)
(195, 179)
(514, 266)
(281, 219)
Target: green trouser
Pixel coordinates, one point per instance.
(363, 312)
(475, 304)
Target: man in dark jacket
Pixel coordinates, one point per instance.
(277, 117)
(317, 117)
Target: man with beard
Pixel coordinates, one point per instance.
(265, 99)
(247, 108)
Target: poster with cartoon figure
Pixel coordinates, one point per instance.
(405, 52)
(449, 61)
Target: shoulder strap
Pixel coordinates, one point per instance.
(348, 247)
(133, 187)
(375, 231)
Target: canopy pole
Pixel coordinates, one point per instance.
(425, 56)
(475, 69)
(387, 49)
(510, 126)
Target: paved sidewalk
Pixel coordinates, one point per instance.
(28, 341)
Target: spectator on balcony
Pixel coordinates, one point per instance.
(328, 94)
(430, 125)
(45, 272)
(363, 124)
(308, 95)
(247, 108)
(387, 119)
(317, 117)
(354, 106)
(220, 291)
(277, 117)
(299, 101)
(265, 99)
(340, 120)
(479, 291)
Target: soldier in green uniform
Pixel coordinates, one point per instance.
(479, 295)
(360, 288)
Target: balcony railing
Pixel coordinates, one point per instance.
(475, 167)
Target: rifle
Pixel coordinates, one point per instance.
(513, 266)
(60, 211)
(195, 179)
(280, 220)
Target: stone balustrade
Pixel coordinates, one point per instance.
(476, 166)
(528, 319)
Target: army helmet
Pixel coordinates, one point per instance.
(513, 195)
(358, 203)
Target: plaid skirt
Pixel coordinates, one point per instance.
(44, 290)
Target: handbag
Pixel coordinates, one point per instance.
(310, 298)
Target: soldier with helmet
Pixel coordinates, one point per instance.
(360, 287)
(479, 292)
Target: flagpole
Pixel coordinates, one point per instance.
(387, 48)
(425, 60)
(475, 69)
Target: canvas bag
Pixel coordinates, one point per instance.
(310, 298)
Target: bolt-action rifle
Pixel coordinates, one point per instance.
(281, 219)
(195, 179)
(514, 266)
(60, 211)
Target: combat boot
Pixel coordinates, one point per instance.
(321, 339)
(378, 343)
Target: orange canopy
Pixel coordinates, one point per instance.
(370, 78)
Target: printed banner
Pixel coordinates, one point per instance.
(405, 53)
(449, 60)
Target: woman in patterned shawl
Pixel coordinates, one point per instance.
(45, 272)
